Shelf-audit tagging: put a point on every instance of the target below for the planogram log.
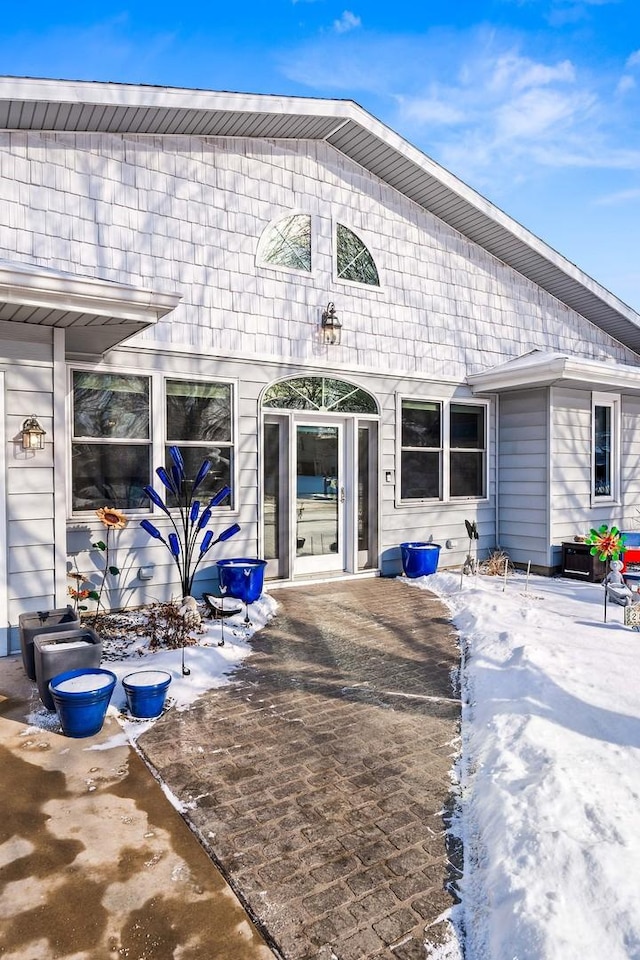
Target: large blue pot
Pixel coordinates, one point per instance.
(146, 692)
(242, 577)
(419, 559)
(81, 698)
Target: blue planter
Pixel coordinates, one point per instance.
(242, 577)
(81, 698)
(146, 692)
(419, 559)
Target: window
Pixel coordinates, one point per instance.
(199, 422)
(466, 450)
(111, 447)
(604, 447)
(421, 462)
(319, 393)
(442, 450)
(114, 451)
(287, 243)
(353, 260)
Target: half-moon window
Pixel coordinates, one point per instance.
(287, 243)
(319, 393)
(353, 260)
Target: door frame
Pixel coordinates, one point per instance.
(283, 567)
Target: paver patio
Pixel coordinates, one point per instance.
(320, 777)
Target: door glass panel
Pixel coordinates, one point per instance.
(363, 489)
(272, 491)
(317, 490)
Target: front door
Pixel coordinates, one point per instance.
(319, 498)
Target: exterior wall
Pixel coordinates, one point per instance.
(188, 213)
(571, 509)
(30, 552)
(134, 548)
(523, 472)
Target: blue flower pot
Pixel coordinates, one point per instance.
(81, 698)
(419, 559)
(242, 577)
(146, 692)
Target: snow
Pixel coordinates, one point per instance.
(549, 771)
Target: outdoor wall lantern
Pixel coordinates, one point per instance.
(32, 435)
(331, 326)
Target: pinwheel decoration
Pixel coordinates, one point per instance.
(607, 544)
(191, 519)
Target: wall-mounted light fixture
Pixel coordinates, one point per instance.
(331, 326)
(32, 435)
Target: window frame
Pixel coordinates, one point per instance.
(298, 272)
(610, 401)
(358, 284)
(445, 450)
(157, 433)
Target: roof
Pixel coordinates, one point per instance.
(80, 106)
(540, 368)
(97, 314)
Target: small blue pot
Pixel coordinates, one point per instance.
(146, 692)
(81, 698)
(419, 559)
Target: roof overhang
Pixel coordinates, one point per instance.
(95, 314)
(539, 369)
(70, 106)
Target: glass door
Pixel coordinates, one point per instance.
(319, 498)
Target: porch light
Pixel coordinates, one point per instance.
(32, 435)
(331, 326)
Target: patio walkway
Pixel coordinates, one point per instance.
(319, 778)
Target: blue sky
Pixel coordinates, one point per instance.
(534, 103)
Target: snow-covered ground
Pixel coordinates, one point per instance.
(549, 775)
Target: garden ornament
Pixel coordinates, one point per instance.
(615, 587)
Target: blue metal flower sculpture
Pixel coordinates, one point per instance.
(190, 521)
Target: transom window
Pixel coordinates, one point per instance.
(353, 259)
(114, 449)
(442, 450)
(287, 243)
(319, 393)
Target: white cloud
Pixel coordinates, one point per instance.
(633, 60)
(348, 21)
(616, 199)
(625, 83)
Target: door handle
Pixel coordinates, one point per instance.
(342, 496)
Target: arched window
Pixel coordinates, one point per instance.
(287, 243)
(319, 393)
(353, 260)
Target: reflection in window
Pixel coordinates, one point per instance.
(319, 393)
(421, 454)
(467, 450)
(111, 448)
(287, 243)
(353, 260)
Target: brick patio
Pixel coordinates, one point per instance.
(319, 778)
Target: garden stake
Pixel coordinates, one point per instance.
(506, 567)
(185, 670)
(526, 586)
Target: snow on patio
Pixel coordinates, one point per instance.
(549, 775)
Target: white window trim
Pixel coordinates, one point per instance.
(445, 450)
(157, 432)
(372, 288)
(298, 272)
(611, 400)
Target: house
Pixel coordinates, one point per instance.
(368, 351)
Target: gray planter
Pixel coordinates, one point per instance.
(62, 651)
(43, 621)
